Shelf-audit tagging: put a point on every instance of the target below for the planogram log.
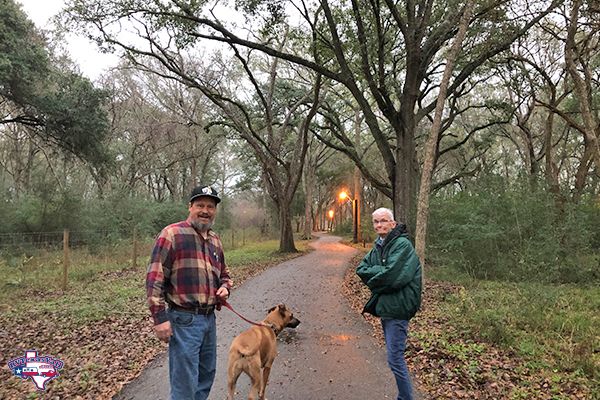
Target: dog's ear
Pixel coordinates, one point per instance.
(271, 309)
(282, 309)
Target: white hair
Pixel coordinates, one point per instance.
(382, 210)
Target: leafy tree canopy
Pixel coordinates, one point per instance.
(56, 104)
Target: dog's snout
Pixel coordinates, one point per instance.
(294, 322)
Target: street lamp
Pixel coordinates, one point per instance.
(355, 214)
(330, 214)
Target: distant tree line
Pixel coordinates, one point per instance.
(287, 112)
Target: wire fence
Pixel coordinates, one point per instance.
(27, 242)
(54, 240)
(18, 247)
(73, 250)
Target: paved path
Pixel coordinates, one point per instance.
(331, 355)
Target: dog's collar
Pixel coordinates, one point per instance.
(273, 327)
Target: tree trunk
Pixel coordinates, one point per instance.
(286, 239)
(357, 178)
(406, 170)
(582, 174)
(582, 88)
(405, 181)
(265, 228)
(318, 220)
(309, 184)
(551, 172)
(431, 146)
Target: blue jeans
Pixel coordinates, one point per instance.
(395, 332)
(192, 355)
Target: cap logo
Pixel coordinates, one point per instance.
(204, 191)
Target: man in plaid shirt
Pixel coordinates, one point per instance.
(186, 280)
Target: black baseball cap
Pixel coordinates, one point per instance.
(206, 191)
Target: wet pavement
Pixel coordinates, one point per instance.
(330, 355)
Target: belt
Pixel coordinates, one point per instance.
(204, 309)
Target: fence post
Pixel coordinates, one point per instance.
(65, 259)
(135, 247)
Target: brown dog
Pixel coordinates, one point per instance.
(255, 349)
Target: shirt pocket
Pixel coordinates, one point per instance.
(216, 262)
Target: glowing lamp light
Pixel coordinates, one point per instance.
(343, 196)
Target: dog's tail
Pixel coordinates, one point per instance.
(239, 360)
(246, 352)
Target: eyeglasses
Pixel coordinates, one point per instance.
(383, 221)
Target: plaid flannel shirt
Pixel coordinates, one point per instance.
(185, 269)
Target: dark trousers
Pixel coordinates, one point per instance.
(395, 332)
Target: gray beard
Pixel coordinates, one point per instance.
(201, 227)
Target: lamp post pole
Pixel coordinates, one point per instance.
(330, 215)
(355, 220)
(355, 214)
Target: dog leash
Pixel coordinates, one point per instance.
(226, 304)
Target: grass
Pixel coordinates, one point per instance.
(555, 328)
(100, 283)
(257, 252)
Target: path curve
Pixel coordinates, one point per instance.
(330, 356)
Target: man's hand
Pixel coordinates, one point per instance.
(163, 331)
(222, 296)
(222, 293)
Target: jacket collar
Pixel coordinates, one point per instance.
(399, 230)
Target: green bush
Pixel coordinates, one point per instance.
(511, 232)
(40, 220)
(343, 228)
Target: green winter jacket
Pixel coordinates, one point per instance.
(393, 273)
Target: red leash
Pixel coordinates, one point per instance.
(226, 304)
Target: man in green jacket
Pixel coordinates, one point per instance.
(392, 272)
